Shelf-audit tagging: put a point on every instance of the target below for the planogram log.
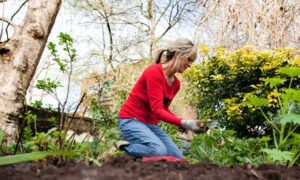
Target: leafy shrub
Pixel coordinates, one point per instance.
(105, 121)
(287, 120)
(222, 147)
(220, 82)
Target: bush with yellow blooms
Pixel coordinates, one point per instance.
(223, 79)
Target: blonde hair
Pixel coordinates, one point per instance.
(184, 47)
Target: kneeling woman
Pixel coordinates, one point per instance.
(149, 102)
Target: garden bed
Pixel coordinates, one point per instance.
(125, 167)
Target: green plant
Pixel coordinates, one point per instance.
(30, 120)
(123, 94)
(103, 117)
(219, 83)
(105, 121)
(33, 156)
(48, 85)
(287, 121)
(1, 140)
(65, 62)
(37, 104)
(222, 147)
(54, 141)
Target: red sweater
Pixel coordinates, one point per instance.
(151, 97)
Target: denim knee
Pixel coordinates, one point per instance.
(157, 149)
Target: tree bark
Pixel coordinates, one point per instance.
(19, 57)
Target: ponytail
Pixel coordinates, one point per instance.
(157, 58)
(159, 53)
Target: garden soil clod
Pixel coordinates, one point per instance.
(125, 167)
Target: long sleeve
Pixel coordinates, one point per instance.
(150, 98)
(155, 95)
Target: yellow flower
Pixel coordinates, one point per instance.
(265, 54)
(220, 48)
(234, 108)
(233, 111)
(296, 61)
(248, 62)
(217, 77)
(230, 100)
(232, 66)
(221, 58)
(231, 54)
(273, 98)
(266, 67)
(275, 63)
(203, 48)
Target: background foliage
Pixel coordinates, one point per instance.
(223, 79)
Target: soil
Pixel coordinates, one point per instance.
(125, 167)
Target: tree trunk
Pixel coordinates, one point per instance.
(151, 18)
(19, 57)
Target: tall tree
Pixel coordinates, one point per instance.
(19, 57)
(262, 23)
(164, 16)
(134, 28)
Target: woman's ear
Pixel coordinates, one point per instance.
(176, 54)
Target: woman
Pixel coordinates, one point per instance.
(149, 101)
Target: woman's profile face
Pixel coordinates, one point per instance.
(186, 63)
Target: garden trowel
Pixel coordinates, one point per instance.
(205, 125)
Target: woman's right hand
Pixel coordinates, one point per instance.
(196, 126)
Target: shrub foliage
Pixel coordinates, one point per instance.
(223, 80)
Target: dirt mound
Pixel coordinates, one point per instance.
(125, 167)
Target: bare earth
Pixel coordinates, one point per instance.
(125, 167)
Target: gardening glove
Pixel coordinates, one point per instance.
(196, 126)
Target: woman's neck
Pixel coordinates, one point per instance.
(168, 69)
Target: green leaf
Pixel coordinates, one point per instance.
(290, 71)
(290, 118)
(255, 101)
(273, 81)
(278, 155)
(48, 84)
(265, 139)
(293, 94)
(37, 104)
(52, 47)
(64, 38)
(295, 139)
(5, 160)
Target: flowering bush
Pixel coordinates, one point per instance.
(224, 79)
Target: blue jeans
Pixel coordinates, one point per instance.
(147, 140)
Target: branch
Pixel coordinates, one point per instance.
(163, 13)
(18, 9)
(142, 10)
(2, 22)
(207, 15)
(165, 32)
(94, 8)
(12, 17)
(8, 21)
(175, 18)
(133, 23)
